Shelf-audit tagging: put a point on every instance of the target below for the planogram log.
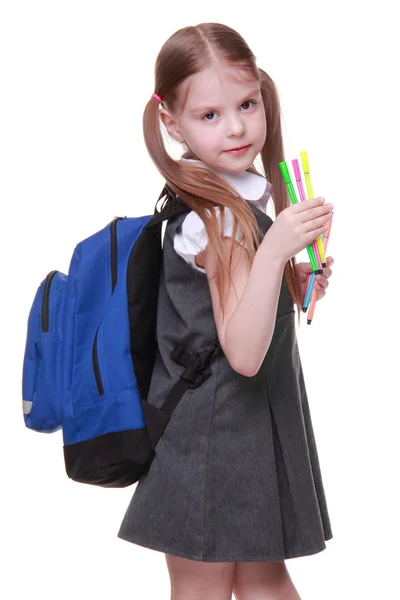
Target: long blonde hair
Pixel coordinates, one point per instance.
(186, 52)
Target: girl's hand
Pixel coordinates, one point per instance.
(295, 227)
(321, 281)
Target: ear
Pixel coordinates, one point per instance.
(171, 125)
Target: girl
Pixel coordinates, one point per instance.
(235, 487)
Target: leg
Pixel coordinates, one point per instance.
(197, 580)
(263, 581)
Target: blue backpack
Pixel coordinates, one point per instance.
(90, 351)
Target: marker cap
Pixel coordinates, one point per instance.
(285, 172)
(304, 161)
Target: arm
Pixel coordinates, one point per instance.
(251, 301)
(250, 305)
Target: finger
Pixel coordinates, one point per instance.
(320, 290)
(321, 282)
(316, 217)
(313, 211)
(327, 272)
(329, 261)
(308, 204)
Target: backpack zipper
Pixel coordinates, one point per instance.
(114, 252)
(45, 300)
(96, 365)
(114, 277)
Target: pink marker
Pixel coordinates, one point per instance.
(299, 182)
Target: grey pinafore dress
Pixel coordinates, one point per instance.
(236, 475)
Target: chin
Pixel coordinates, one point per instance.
(237, 164)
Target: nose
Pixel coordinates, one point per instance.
(235, 125)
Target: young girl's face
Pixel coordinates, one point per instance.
(222, 120)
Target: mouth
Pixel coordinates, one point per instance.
(238, 148)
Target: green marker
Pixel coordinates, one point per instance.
(286, 177)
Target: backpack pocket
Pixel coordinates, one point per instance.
(41, 381)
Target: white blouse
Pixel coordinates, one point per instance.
(191, 238)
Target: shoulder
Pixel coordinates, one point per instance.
(191, 237)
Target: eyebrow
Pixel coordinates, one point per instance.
(208, 108)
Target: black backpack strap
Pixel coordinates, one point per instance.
(197, 369)
(196, 372)
(172, 206)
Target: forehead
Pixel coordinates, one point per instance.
(216, 85)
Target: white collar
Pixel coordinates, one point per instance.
(250, 186)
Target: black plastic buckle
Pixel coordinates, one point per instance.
(197, 369)
(196, 376)
(176, 353)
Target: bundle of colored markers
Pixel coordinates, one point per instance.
(316, 250)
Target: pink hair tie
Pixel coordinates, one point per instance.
(157, 97)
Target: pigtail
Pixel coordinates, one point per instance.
(272, 154)
(154, 142)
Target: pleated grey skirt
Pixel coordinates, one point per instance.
(236, 475)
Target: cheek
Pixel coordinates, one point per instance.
(191, 134)
(203, 138)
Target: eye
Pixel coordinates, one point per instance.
(247, 103)
(207, 115)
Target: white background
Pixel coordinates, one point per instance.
(75, 77)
